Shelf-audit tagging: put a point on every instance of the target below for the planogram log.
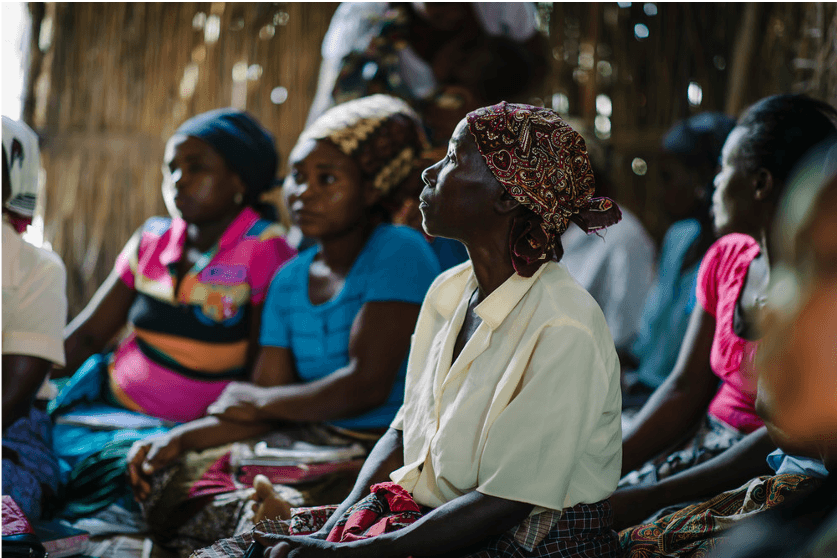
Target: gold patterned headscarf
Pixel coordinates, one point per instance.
(383, 134)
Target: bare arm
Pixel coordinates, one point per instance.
(103, 317)
(22, 376)
(457, 525)
(378, 343)
(152, 454)
(385, 457)
(727, 471)
(678, 404)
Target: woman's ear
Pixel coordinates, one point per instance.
(763, 184)
(505, 203)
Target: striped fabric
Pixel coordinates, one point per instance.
(193, 341)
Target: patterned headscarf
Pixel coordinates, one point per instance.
(381, 133)
(543, 164)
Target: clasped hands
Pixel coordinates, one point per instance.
(239, 402)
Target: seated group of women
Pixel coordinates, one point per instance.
(489, 395)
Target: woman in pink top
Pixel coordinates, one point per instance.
(190, 286)
(712, 388)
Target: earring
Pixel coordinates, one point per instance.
(238, 198)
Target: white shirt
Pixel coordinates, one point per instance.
(530, 409)
(34, 299)
(617, 268)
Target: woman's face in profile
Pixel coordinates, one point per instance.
(458, 190)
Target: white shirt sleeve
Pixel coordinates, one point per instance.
(38, 311)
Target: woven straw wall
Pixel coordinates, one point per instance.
(111, 82)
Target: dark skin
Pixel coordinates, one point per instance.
(22, 374)
(744, 201)
(203, 189)
(330, 203)
(457, 188)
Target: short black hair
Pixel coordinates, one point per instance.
(781, 129)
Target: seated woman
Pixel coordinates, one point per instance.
(190, 287)
(337, 320)
(798, 371)
(690, 153)
(508, 440)
(34, 314)
(732, 443)
(777, 515)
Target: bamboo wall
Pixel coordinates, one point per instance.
(110, 82)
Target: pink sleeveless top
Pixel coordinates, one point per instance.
(723, 271)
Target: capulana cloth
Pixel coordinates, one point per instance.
(23, 157)
(542, 162)
(382, 133)
(249, 149)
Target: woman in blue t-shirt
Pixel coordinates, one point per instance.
(338, 319)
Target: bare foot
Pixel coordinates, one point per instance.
(268, 504)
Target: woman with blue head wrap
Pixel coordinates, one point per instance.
(190, 286)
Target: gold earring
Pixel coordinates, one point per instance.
(239, 198)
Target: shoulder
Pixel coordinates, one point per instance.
(398, 241)
(731, 249)
(156, 226)
(43, 262)
(561, 300)
(263, 230)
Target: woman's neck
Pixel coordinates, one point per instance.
(204, 236)
(340, 252)
(492, 266)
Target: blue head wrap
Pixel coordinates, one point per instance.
(699, 139)
(247, 147)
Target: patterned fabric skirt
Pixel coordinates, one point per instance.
(712, 438)
(201, 498)
(583, 531)
(694, 531)
(31, 474)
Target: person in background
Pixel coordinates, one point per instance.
(789, 513)
(336, 322)
(690, 153)
(731, 444)
(798, 372)
(34, 314)
(190, 288)
(412, 50)
(616, 267)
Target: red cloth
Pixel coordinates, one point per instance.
(388, 508)
(14, 520)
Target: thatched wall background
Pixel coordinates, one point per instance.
(107, 88)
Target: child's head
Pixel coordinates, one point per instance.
(216, 163)
(354, 164)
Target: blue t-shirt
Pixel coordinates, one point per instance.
(395, 265)
(668, 307)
